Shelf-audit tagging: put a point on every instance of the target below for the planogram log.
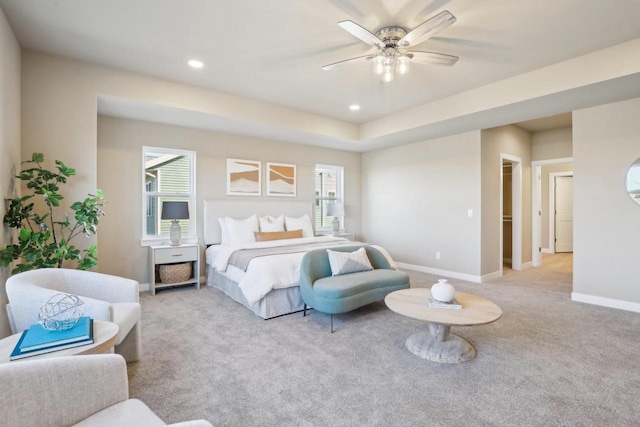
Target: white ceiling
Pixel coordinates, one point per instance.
(273, 50)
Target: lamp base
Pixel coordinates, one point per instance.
(175, 233)
(335, 226)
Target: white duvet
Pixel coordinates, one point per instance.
(263, 273)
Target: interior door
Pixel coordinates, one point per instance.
(564, 213)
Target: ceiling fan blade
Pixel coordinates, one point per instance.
(360, 32)
(427, 29)
(339, 63)
(433, 58)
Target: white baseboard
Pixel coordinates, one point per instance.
(144, 287)
(546, 251)
(606, 302)
(439, 272)
(527, 264)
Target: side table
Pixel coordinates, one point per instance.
(163, 254)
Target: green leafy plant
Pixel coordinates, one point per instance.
(42, 240)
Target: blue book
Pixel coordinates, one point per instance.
(19, 353)
(38, 337)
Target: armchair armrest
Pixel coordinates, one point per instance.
(60, 391)
(102, 287)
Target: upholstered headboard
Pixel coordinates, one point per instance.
(215, 208)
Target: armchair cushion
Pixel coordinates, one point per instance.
(128, 413)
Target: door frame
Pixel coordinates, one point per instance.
(552, 207)
(516, 211)
(536, 205)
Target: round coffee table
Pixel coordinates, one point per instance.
(104, 338)
(438, 345)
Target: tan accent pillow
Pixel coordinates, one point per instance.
(264, 236)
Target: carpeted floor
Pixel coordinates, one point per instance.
(547, 361)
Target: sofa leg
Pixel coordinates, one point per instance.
(331, 323)
(304, 311)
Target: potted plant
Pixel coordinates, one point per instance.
(44, 240)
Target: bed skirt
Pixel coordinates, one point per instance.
(275, 303)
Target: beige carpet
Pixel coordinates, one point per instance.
(547, 361)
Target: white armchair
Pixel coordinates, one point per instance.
(73, 391)
(105, 297)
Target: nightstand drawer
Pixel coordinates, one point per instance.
(175, 254)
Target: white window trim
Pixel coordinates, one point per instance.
(190, 237)
(338, 199)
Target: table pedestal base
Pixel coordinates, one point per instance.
(440, 346)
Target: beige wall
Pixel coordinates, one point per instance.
(9, 141)
(59, 100)
(415, 200)
(606, 221)
(515, 142)
(552, 144)
(119, 176)
(545, 170)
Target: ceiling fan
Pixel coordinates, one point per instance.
(393, 44)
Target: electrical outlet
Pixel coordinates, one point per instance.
(470, 213)
(437, 255)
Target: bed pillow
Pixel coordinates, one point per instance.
(348, 262)
(224, 231)
(265, 236)
(271, 223)
(303, 223)
(241, 230)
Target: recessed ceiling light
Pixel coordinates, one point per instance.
(195, 63)
(354, 107)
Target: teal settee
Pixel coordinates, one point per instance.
(340, 294)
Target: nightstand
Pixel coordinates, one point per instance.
(173, 255)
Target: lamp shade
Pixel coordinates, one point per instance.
(335, 209)
(175, 210)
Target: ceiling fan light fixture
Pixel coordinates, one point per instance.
(378, 64)
(388, 75)
(402, 64)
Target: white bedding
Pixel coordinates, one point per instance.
(263, 273)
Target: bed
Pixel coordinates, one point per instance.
(265, 279)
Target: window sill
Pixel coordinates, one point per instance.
(155, 241)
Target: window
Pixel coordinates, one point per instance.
(329, 189)
(168, 175)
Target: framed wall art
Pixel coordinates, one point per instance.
(281, 180)
(244, 177)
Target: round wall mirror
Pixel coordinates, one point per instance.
(633, 181)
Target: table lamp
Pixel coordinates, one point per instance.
(175, 211)
(336, 210)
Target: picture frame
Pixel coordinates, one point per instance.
(281, 180)
(244, 177)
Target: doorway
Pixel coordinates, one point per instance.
(510, 212)
(561, 210)
(541, 215)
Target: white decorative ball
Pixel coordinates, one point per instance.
(61, 312)
(443, 291)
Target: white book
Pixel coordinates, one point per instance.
(453, 305)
